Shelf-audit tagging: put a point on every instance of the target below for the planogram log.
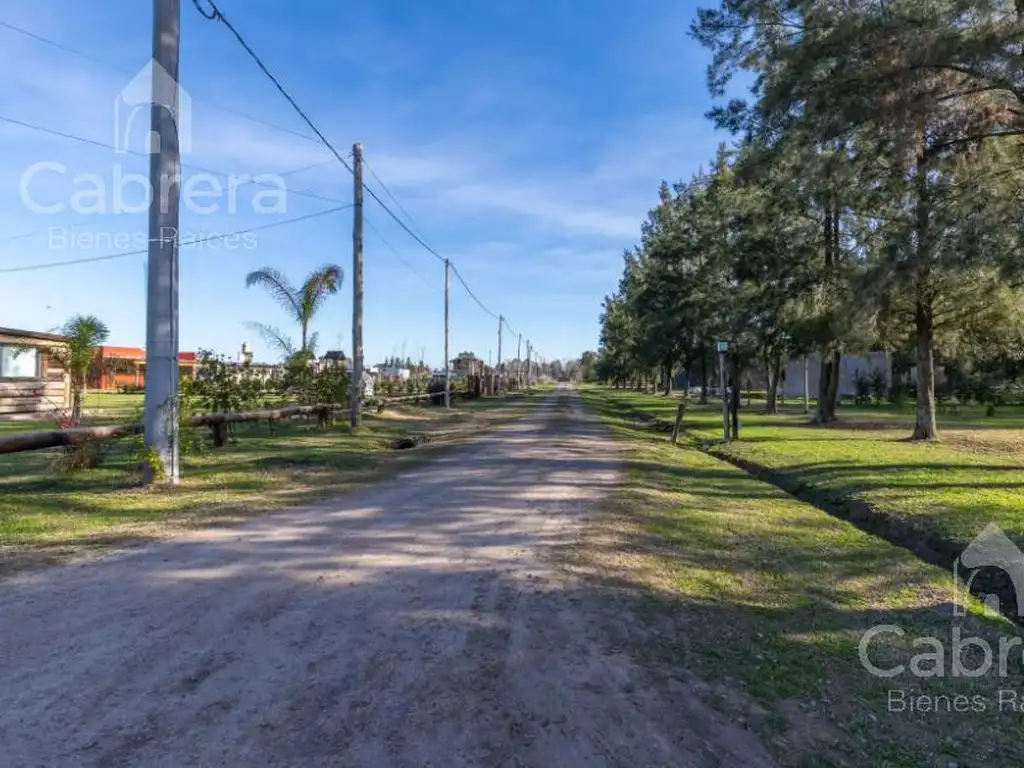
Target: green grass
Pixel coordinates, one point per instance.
(952, 488)
(112, 404)
(44, 511)
(768, 598)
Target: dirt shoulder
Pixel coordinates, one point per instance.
(423, 621)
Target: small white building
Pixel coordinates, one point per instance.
(393, 372)
(850, 367)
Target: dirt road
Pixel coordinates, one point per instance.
(419, 623)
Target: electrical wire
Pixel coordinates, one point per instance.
(388, 192)
(399, 256)
(121, 70)
(472, 295)
(190, 166)
(215, 14)
(185, 244)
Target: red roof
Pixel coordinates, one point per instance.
(137, 353)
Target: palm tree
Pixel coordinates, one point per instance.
(301, 303)
(85, 335)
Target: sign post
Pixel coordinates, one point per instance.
(723, 348)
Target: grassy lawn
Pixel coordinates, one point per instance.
(951, 489)
(764, 599)
(112, 404)
(45, 513)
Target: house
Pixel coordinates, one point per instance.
(850, 367)
(393, 372)
(467, 363)
(116, 367)
(31, 384)
(332, 357)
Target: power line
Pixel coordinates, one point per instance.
(190, 166)
(185, 244)
(399, 256)
(388, 192)
(213, 13)
(471, 294)
(121, 70)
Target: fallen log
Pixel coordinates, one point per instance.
(55, 438)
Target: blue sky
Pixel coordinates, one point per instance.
(526, 138)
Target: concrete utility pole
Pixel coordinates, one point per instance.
(161, 399)
(447, 368)
(356, 381)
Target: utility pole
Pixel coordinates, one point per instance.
(447, 367)
(519, 363)
(529, 365)
(161, 399)
(356, 381)
(497, 375)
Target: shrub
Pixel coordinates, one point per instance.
(898, 393)
(862, 389)
(1009, 393)
(220, 387)
(331, 385)
(878, 385)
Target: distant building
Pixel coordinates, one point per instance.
(393, 372)
(116, 367)
(31, 384)
(850, 367)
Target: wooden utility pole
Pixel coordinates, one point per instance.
(447, 367)
(529, 365)
(497, 375)
(356, 381)
(161, 399)
(519, 363)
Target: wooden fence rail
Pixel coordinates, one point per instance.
(217, 422)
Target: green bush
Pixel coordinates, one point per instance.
(220, 387)
(879, 386)
(862, 389)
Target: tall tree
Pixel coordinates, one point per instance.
(301, 302)
(86, 334)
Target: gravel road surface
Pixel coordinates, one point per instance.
(421, 622)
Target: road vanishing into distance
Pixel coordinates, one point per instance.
(424, 621)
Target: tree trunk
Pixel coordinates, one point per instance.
(772, 404)
(703, 378)
(828, 387)
(735, 398)
(76, 402)
(668, 379)
(925, 428)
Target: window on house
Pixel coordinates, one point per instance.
(18, 362)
